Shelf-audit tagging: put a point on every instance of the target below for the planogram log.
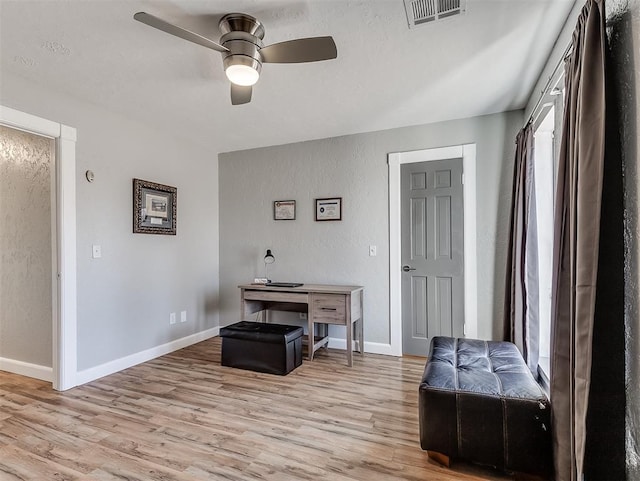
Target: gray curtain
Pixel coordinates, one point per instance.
(576, 240)
(521, 321)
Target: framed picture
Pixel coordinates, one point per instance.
(284, 210)
(329, 209)
(154, 208)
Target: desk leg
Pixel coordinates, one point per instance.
(312, 340)
(361, 342)
(350, 343)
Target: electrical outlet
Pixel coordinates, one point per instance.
(303, 315)
(172, 318)
(183, 316)
(96, 251)
(373, 251)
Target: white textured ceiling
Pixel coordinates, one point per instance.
(385, 76)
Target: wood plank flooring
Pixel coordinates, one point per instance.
(185, 417)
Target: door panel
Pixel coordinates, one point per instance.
(418, 237)
(443, 227)
(420, 303)
(444, 305)
(432, 248)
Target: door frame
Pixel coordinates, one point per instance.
(64, 312)
(468, 154)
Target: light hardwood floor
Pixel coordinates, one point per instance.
(185, 417)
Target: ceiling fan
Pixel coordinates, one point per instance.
(243, 52)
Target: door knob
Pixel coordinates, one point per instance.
(408, 268)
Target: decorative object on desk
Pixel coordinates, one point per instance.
(284, 210)
(268, 259)
(154, 208)
(329, 209)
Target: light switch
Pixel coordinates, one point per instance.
(372, 251)
(97, 251)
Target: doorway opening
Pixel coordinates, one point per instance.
(64, 338)
(27, 194)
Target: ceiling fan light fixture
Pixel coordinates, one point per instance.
(244, 68)
(244, 75)
(243, 51)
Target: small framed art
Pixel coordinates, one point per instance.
(329, 209)
(284, 210)
(154, 208)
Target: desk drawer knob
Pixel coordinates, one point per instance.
(328, 308)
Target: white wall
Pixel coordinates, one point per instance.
(559, 48)
(124, 298)
(355, 168)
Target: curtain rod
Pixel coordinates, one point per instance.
(563, 58)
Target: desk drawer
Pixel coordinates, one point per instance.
(258, 295)
(329, 308)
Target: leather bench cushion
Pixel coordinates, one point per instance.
(262, 332)
(491, 368)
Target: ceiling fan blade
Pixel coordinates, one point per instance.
(240, 94)
(301, 50)
(160, 24)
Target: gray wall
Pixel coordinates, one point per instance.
(624, 32)
(124, 298)
(26, 162)
(355, 168)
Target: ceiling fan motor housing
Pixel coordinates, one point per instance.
(242, 35)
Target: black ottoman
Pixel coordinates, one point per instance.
(478, 401)
(257, 346)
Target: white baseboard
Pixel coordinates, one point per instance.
(93, 373)
(35, 371)
(370, 347)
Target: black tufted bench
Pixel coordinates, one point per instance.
(479, 402)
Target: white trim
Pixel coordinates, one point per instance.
(31, 123)
(468, 154)
(64, 316)
(67, 262)
(369, 347)
(93, 373)
(470, 244)
(35, 371)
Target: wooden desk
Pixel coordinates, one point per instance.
(324, 304)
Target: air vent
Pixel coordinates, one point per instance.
(420, 12)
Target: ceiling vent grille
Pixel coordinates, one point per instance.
(420, 12)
